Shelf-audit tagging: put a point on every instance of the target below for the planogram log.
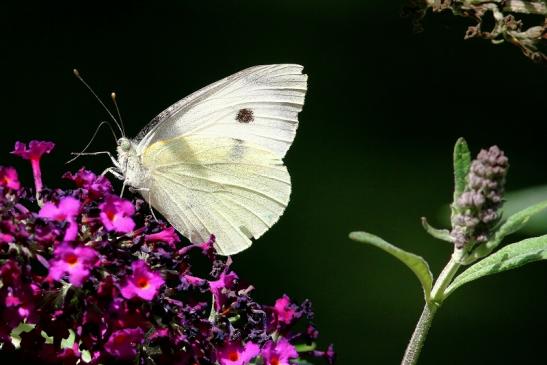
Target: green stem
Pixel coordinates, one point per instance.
(420, 333)
(445, 278)
(417, 340)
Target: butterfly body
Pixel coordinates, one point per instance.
(130, 165)
(212, 162)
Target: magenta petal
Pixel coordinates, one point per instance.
(76, 262)
(6, 238)
(86, 253)
(34, 151)
(284, 309)
(142, 283)
(57, 270)
(9, 178)
(48, 210)
(77, 276)
(236, 354)
(71, 231)
(123, 343)
(124, 225)
(69, 206)
(107, 223)
(148, 293)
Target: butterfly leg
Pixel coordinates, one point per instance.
(115, 172)
(148, 200)
(114, 161)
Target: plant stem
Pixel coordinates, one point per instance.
(445, 278)
(420, 333)
(514, 6)
(417, 340)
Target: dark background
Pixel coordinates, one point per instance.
(373, 150)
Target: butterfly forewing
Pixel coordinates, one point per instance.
(259, 105)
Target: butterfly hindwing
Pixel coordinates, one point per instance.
(225, 186)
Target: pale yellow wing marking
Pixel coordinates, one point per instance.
(219, 186)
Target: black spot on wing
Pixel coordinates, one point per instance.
(245, 115)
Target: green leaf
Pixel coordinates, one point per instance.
(511, 225)
(60, 297)
(302, 362)
(507, 258)
(414, 262)
(68, 343)
(520, 199)
(86, 356)
(15, 334)
(48, 339)
(462, 162)
(303, 347)
(441, 234)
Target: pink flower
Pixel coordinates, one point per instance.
(76, 262)
(85, 179)
(6, 238)
(123, 343)
(284, 309)
(167, 235)
(66, 211)
(217, 286)
(143, 283)
(206, 247)
(116, 214)
(236, 354)
(278, 353)
(9, 178)
(194, 280)
(34, 153)
(328, 355)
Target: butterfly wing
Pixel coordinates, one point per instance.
(229, 187)
(259, 105)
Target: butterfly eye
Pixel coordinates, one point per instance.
(124, 144)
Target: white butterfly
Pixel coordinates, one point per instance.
(212, 162)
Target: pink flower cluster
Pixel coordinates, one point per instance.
(88, 277)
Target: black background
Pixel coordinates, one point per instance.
(373, 150)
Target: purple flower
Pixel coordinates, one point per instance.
(236, 354)
(9, 178)
(138, 293)
(116, 214)
(6, 238)
(142, 283)
(194, 280)
(122, 344)
(85, 179)
(66, 211)
(76, 262)
(34, 153)
(226, 281)
(329, 354)
(285, 309)
(278, 353)
(207, 247)
(167, 235)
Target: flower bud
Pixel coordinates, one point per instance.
(477, 207)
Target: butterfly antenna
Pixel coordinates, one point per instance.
(113, 96)
(77, 74)
(92, 138)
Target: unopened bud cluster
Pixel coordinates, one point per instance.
(477, 207)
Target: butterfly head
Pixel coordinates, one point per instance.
(124, 145)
